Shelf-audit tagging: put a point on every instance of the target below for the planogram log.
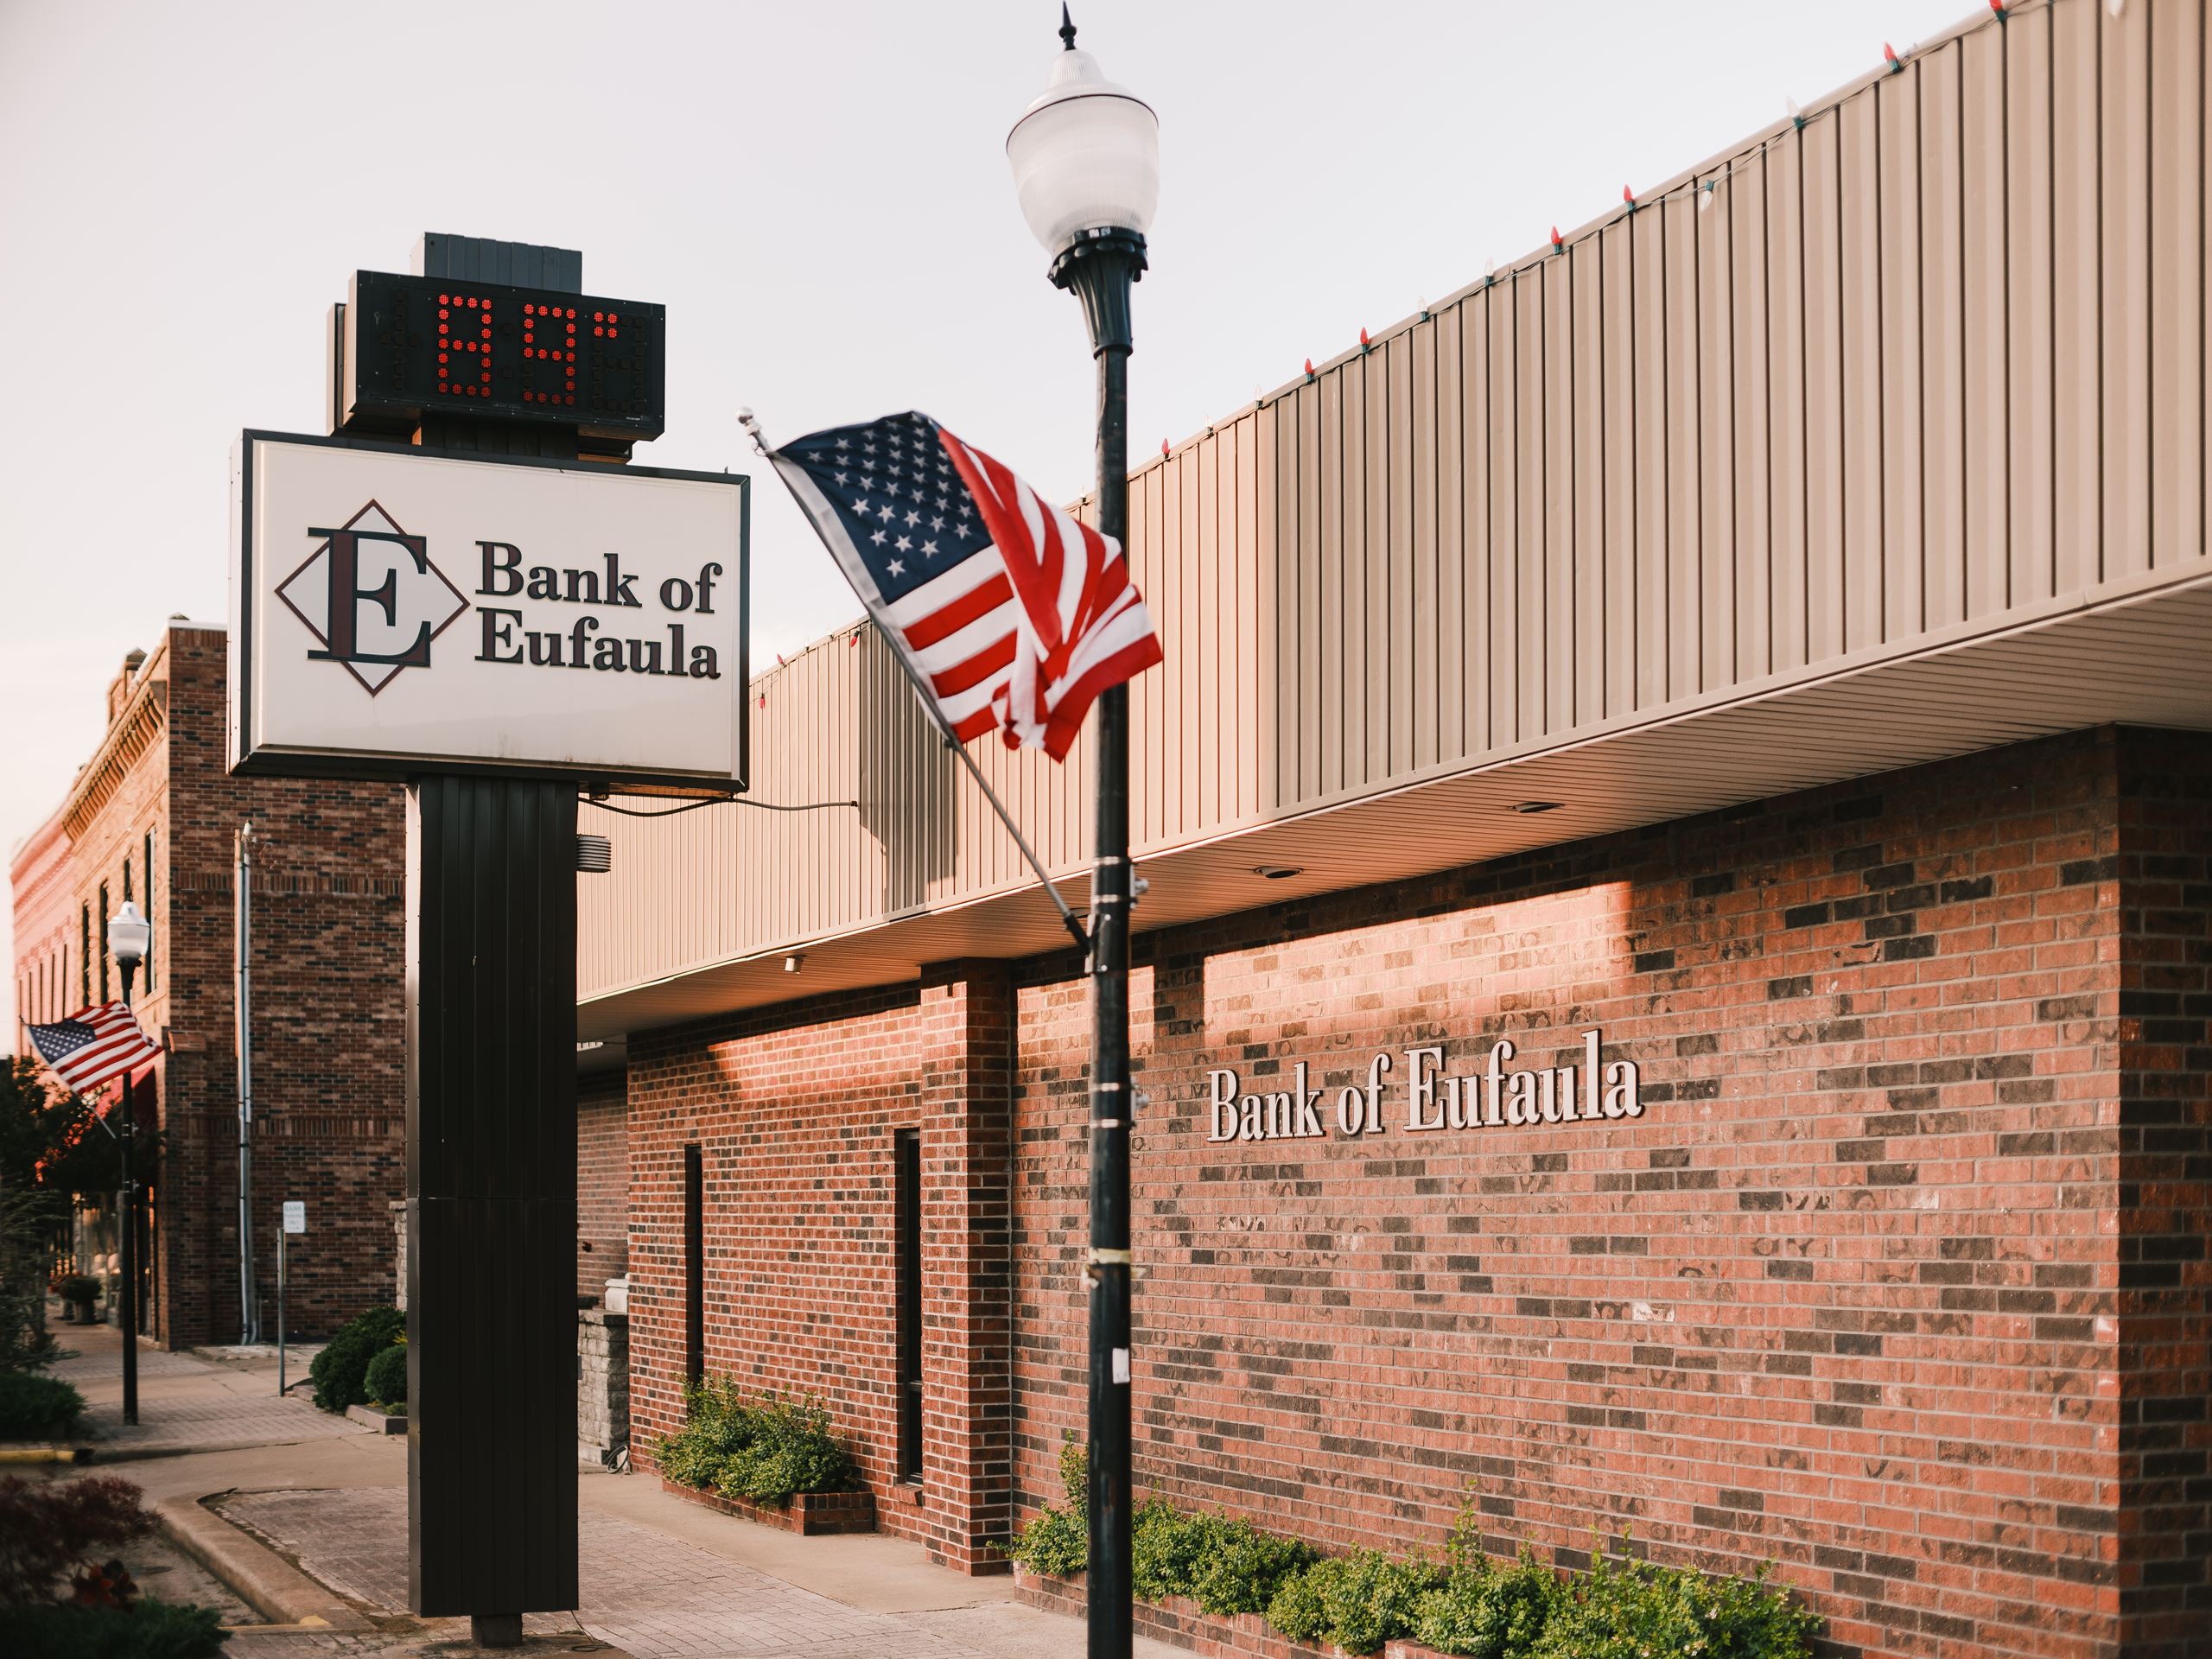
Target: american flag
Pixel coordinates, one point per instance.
(1010, 612)
(92, 1046)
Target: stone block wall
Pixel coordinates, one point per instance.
(602, 1385)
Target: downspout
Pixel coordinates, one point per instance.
(248, 1309)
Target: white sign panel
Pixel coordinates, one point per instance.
(398, 611)
(296, 1214)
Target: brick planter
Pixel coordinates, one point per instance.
(809, 1514)
(1180, 1621)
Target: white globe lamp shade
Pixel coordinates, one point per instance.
(1086, 156)
(129, 934)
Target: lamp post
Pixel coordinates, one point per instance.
(128, 935)
(1086, 166)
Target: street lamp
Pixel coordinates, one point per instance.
(1086, 166)
(129, 936)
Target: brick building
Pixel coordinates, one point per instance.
(1750, 658)
(152, 816)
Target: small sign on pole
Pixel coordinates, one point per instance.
(295, 1221)
(296, 1214)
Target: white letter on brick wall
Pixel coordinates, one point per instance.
(1221, 1096)
(1420, 1088)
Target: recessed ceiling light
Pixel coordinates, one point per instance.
(1527, 807)
(590, 1044)
(1278, 872)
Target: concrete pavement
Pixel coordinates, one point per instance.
(306, 1515)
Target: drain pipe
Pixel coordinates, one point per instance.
(249, 1305)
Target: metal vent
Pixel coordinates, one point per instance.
(594, 855)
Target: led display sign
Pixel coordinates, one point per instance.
(415, 345)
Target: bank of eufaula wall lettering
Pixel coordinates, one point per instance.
(510, 635)
(1425, 1099)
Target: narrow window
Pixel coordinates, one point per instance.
(84, 955)
(147, 882)
(695, 1266)
(906, 1155)
(103, 941)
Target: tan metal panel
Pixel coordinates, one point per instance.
(1529, 423)
(1717, 580)
(1785, 213)
(2177, 285)
(2077, 393)
(1558, 476)
(1941, 341)
(1861, 250)
(2124, 190)
(1621, 417)
(1424, 609)
(1586, 353)
(1455, 643)
(1504, 478)
(1823, 275)
(1314, 714)
(1647, 379)
(1685, 590)
(2029, 254)
(1743, 196)
(1983, 286)
(1475, 425)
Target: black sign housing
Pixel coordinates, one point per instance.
(417, 346)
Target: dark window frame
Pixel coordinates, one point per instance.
(906, 1254)
(695, 1265)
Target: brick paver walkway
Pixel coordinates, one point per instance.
(652, 1596)
(185, 1403)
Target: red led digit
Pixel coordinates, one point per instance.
(612, 333)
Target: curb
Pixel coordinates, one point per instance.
(379, 1423)
(264, 1580)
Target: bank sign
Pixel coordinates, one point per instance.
(1425, 1096)
(397, 612)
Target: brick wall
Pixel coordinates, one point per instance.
(602, 1180)
(2162, 883)
(329, 939)
(1842, 1297)
(1897, 1280)
(794, 1112)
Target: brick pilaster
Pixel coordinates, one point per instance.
(967, 1142)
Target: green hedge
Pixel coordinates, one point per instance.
(385, 1381)
(38, 1407)
(146, 1629)
(340, 1370)
(1465, 1604)
(766, 1451)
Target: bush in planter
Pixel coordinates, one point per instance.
(385, 1380)
(1056, 1541)
(1627, 1611)
(766, 1452)
(1357, 1601)
(1225, 1564)
(340, 1370)
(38, 1407)
(47, 1529)
(1489, 1612)
(81, 1290)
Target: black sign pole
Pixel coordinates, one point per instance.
(491, 1144)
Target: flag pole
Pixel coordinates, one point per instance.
(1068, 918)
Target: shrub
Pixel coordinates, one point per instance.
(765, 1452)
(48, 1529)
(147, 1629)
(1625, 1612)
(1167, 1549)
(80, 1287)
(33, 1408)
(385, 1380)
(1243, 1566)
(1056, 1541)
(789, 1449)
(1490, 1613)
(1297, 1609)
(340, 1370)
(1371, 1599)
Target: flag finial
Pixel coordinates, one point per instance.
(1067, 27)
(752, 428)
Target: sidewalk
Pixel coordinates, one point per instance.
(186, 1403)
(661, 1578)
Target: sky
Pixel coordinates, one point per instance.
(818, 194)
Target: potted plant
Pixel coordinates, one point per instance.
(79, 1291)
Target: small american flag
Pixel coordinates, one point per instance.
(1012, 613)
(93, 1045)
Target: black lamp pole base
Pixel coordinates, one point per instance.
(495, 1630)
